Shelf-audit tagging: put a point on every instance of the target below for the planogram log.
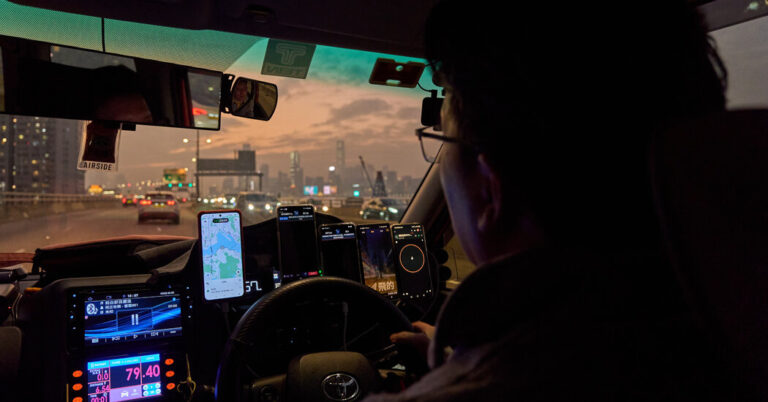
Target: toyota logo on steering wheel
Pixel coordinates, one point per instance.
(340, 387)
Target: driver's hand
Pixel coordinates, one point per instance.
(418, 340)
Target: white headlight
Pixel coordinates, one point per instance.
(393, 210)
(325, 208)
(251, 207)
(205, 200)
(232, 200)
(267, 207)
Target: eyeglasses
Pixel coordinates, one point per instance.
(431, 143)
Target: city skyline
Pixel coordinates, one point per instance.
(334, 103)
(314, 162)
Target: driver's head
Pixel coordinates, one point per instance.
(560, 101)
(241, 92)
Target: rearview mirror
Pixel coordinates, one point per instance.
(253, 99)
(41, 79)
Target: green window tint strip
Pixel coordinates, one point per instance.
(50, 26)
(212, 50)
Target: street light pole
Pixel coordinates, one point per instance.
(197, 165)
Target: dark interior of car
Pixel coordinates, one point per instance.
(135, 317)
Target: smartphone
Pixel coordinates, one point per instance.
(375, 246)
(221, 246)
(413, 275)
(338, 251)
(297, 242)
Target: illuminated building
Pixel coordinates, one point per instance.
(39, 155)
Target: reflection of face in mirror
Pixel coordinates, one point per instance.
(246, 100)
(244, 95)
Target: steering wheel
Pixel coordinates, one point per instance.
(339, 376)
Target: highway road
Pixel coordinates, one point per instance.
(24, 236)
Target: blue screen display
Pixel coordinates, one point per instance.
(112, 318)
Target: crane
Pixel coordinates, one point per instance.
(378, 189)
(365, 172)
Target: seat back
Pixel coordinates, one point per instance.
(711, 187)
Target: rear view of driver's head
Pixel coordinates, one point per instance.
(555, 105)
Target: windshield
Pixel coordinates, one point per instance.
(325, 129)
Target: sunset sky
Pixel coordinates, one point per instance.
(334, 102)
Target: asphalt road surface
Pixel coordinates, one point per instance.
(24, 236)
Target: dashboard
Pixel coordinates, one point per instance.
(154, 336)
(110, 339)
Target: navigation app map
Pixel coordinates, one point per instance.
(222, 255)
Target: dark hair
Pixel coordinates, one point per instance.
(563, 99)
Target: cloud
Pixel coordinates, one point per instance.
(410, 113)
(233, 123)
(290, 90)
(356, 109)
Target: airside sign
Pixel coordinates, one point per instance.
(287, 59)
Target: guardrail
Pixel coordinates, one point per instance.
(14, 198)
(15, 206)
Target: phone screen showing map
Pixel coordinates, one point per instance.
(222, 252)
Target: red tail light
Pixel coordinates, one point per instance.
(145, 202)
(171, 202)
(124, 200)
(134, 200)
(183, 200)
(196, 111)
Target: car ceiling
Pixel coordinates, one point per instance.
(391, 26)
(384, 26)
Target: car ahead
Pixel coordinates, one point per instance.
(256, 203)
(159, 205)
(229, 200)
(388, 209)
(255, 207)
(129, 200)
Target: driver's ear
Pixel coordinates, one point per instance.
(491, 194)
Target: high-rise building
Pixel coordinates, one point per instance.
(39, 155)
(341, 158)
(409, 185)
(228, 185)
(283, 183)
(296, 173)
(391, 178)
(245, 183)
